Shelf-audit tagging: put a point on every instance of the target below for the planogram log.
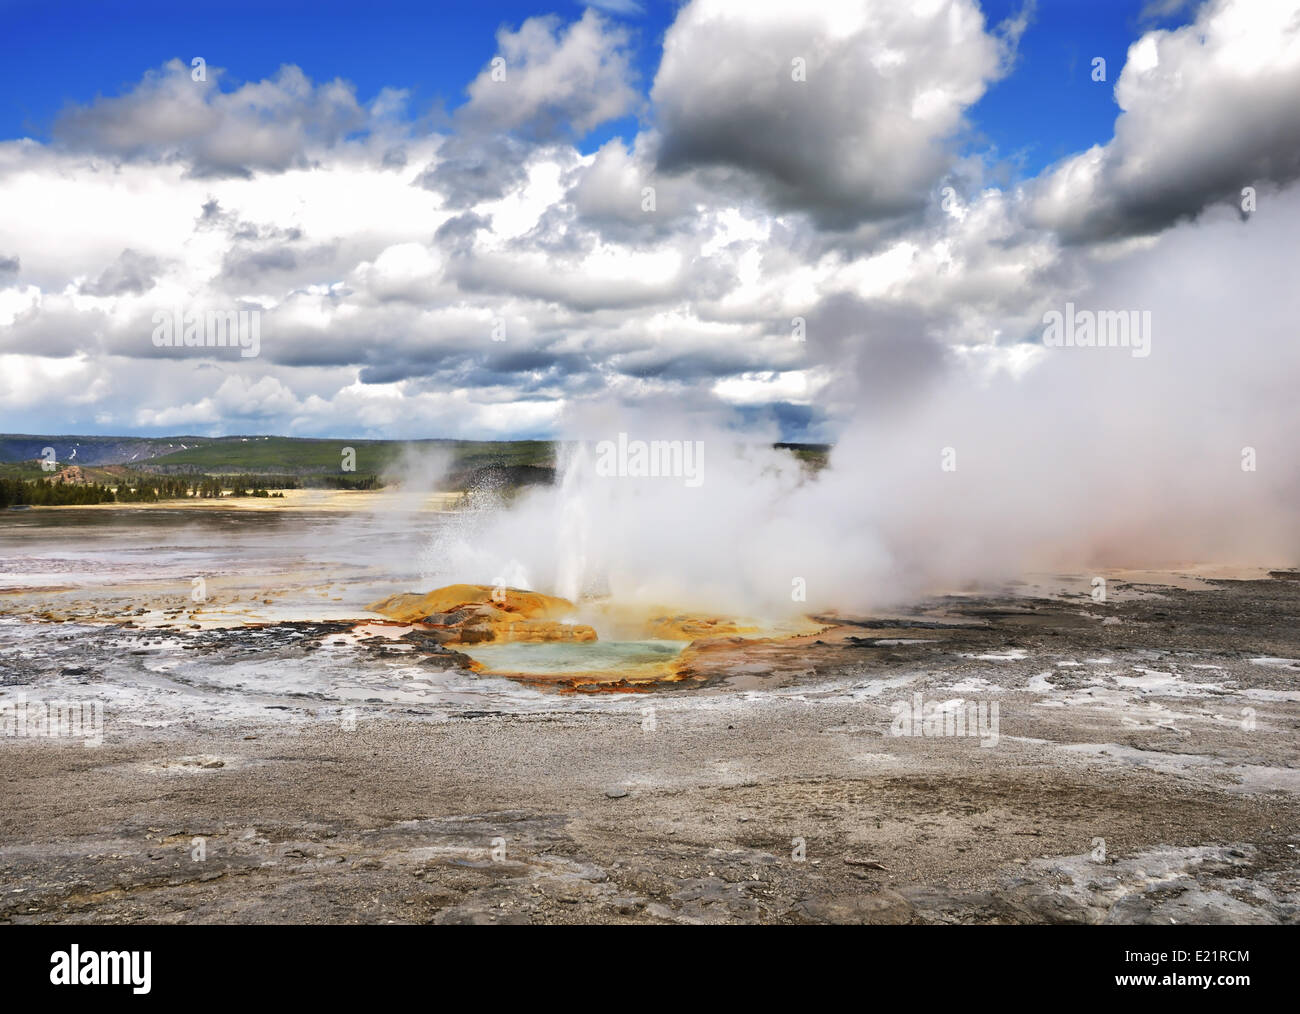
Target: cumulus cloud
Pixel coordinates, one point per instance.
(839, 110)
(404, 271)
(495, 276)
(266, 126)
(555, 80)
(1208, 109)
(548, 82)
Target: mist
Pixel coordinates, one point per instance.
(1061, 459)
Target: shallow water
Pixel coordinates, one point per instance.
(311, 565)
(564, 657)
(92, 567)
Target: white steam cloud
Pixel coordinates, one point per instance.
(1064, 458)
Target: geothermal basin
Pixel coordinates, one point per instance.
(343, 764)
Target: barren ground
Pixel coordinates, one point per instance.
(331, 783)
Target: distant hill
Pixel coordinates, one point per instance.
(78, 450)
(307, 456)
(271, 455)
(472, 464)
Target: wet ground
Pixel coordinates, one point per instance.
(1128, 761)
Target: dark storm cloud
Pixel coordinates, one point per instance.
(9, 265)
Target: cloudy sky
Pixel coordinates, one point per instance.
(474, 223)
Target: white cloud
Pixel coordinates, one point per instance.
(264, 125)
(1208, 109)
(555, 79)
(842, 110)
(383, 279)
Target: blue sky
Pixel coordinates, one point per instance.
(1048, 108)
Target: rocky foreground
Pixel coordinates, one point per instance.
(1144, 768)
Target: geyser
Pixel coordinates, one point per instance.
(965, 466)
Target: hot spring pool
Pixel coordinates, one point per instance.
(558, 658)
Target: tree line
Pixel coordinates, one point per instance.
(133, 489)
